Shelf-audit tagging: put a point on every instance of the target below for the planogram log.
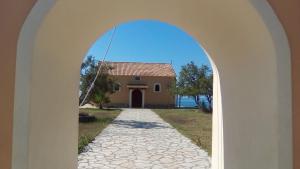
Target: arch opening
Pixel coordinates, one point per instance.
(148, 82)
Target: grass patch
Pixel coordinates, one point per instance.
(89, 130)
(192, 123)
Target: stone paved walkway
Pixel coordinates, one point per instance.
(140, 139)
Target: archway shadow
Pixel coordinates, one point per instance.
(132, 124)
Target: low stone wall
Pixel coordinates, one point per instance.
(123, 105)
(157, 106)
(116, 105)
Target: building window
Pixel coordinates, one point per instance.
(137, 78)
(157, 87)
(117, 87)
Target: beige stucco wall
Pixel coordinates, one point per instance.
(288, 12)
(12, 16)
(151, 98)
(289, 15)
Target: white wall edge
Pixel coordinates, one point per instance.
(21, 116)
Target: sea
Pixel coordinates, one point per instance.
(188, 102)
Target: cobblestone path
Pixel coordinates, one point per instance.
(140, 139)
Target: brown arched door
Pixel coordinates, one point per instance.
(137, 98)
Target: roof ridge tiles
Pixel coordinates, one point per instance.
(141, 69)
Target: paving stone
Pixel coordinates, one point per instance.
(140, 139)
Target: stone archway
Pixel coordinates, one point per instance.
(238, 36)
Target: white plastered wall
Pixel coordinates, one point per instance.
(252, 118)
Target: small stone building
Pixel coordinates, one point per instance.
(142, 85)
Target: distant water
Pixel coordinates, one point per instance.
(189, 101)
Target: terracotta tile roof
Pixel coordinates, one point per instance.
(141, 69)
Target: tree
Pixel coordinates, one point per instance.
(175, 90)
(195, 81)
(103, 85)
(206, 86)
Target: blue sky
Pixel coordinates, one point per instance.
(149, 41)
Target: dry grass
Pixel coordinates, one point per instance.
(88, 131)
(192, 123)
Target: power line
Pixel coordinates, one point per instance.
(99, 69)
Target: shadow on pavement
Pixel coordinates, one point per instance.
(139, 124)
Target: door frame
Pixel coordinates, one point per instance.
(130, 97)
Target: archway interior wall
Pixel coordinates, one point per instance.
(232, 32)
(284, 69)
(289, 14)
(11, 23)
